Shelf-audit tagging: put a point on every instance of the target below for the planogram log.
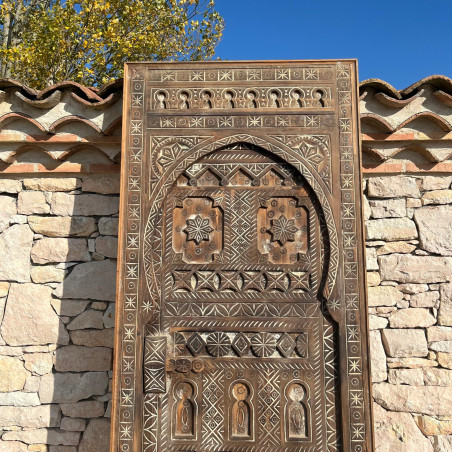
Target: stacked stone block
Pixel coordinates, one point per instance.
(58, 246)
(409, 262)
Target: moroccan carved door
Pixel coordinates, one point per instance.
(241, 321)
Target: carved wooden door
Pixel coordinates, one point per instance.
(242, 316)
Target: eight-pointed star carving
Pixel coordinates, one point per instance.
(283, 230)
(198, 229)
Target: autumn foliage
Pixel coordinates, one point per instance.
(88, 41)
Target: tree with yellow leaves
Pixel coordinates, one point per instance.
(48, 41)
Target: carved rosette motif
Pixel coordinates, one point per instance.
(236, 276)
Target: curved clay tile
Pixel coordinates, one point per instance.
(104, 103)
(374, 153)
(379, 85)
(433, 117)
(80, 148)
(11, 117)
(117, 123)
(418, 148)
(374, 119)
(438, 81)
(49, 102)
(85, 91)
(13, 156)
(10, 83)
(443, 97)
(396, 103)
(73, 118)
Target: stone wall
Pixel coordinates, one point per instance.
(58, 244)
(57, 288)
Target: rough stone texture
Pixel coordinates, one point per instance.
(46, 273)
(69, 307)
(39, 363)
(44, 436)
(93, 338)
(435, 229)
(29, 317)
(373, 279)
(107, 246)
(397, 432)
(30, 202)
(10, 186)
(86, 409)
(8, 205)
(437, 377)
(432, 400)
(371, 259)
(410, 363)
(400, 343)
(411, 318)
(437, 197)
(395, 247)
(377, 323)
(96, 436)
(75, 358)
(12, 374)
(93, 280)
(393, 187)
(439, 333)
(441, 346)
(442, 443)
(109, 316)
(391, 229)
(413, 377)
(389, 208)
(72, 387)
(49, 250)
(415, 269)
(52, 183)
(108, 226)
(107, 184)
(384, 296)
(445, 359)
(377, 353)
(445, 308)
(15, 247)
(30, 417)
(18, 399)
(87, 319)
(424, 299)
(63, 226)
(431, 426)
(436, 182)
(85, 205)
(73, 424)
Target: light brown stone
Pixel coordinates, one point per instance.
(71, 387)
(430, 426)
(441, 346)
(410, 363)
(107, 246)
(15, 247)
(397, 432)
(437, 197)
(74, 358)
(5, 220)
(109, 316)
(396, 247)
(435, 182)
(62, 449)
(406, 268)
(377, 323)
(39, 363)
(69, 307)
(30, 417)
(400, 343)
(411, 318)
(62, 226)
(435, 229)
(373, 279)
(12, 374)
(439, 333)
(87, 319)
(86, 409)
(48, 250)
(96, 436)
(44, 436)
(30, 202)
(371, 259)
(93, 280)
(445, 359)
(384, 296)
(18, 398)
(425, 299)
(413, 377)
(29, 317)
(41, 274)
(389, 208)
(52, 183)
(85, 205)
(393, 187)
(105, 184)
(442, 443)
(12, 446)
(108, 226)
(8, 205)
(4, 288)
(391, 229)
(10, 186)
(366, 208)
(93, 338)
(378, 357)
(432, 400)
(412, 288)
(73, 424)
(445, 307)
(438, 377)
(99, 305)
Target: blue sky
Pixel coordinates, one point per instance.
(399, 41)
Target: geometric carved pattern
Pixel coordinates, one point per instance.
(154, 364)
(242, 233)
(213, 408)
(269, 403)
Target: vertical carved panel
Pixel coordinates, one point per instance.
(213, 420)
(154, 364)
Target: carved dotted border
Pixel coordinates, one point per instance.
(350, 264)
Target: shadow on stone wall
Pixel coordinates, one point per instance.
(58, 245)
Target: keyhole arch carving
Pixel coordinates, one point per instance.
(185, 410)
(241, 417)
(297, 415)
